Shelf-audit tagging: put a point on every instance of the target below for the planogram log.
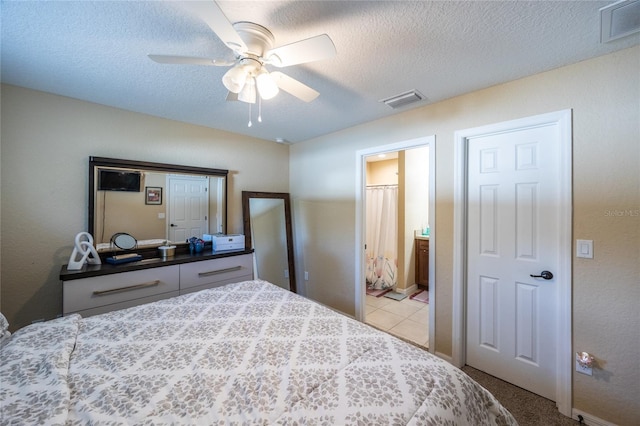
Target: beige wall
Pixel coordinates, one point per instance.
(415, 175)
(46, 144)
(604, 94)
(47, 138)
(110, 206)
(384, 172)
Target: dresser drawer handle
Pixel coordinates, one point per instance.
(219, 271)
(131, 287)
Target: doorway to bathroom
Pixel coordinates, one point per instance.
(396, 248)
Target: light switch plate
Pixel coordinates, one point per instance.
(584, 248)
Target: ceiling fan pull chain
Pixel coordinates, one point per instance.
(259, 109)
(250, 124)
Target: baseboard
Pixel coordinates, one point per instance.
(588, 419)
(407, 291)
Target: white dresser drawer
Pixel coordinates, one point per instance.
(94, 292)
(216, 271)
(215, 284)
(128, 304)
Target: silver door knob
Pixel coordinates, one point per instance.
(544, 274)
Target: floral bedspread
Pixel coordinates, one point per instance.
(245, 353)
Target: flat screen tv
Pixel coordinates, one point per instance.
(118, 180)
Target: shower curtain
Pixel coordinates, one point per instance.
(382, 236)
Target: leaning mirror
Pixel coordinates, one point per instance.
(154, 202)
(268, 231)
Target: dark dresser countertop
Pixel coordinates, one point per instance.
(88, 271)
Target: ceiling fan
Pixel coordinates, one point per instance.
(252, 44)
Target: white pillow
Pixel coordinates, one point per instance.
(34, 372)
(4, 328)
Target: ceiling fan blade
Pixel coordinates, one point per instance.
(294, 87)
(212, 15)
(188, 60)
(300, 52)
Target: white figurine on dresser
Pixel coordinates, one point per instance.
(83, 252)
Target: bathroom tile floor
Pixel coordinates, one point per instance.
(407, 319)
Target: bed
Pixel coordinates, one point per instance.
(244, 353)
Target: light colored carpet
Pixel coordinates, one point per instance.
(529, 409)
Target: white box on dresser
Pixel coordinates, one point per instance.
(227, 242)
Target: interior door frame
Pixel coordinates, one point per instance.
(564, 356)
(361, 182)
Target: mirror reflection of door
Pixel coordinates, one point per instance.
(188, 207)
(268, 234)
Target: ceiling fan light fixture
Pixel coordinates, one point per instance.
(253, 47)
(248, 92)
(267, 87)
(234, 79)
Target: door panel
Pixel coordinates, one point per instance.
(512, 223)
(189, 207)
(489, 315)
(526, 321)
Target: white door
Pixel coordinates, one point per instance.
(188, 207)
(513, 234)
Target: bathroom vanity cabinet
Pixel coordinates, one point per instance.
(422, 261)
(97, 289)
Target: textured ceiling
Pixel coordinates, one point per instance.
(97, 51)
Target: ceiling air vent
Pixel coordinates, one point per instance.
(619, 19)
(403, 99)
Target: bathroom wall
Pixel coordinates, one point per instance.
(414, 167)
(383, 172)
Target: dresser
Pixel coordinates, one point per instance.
(422, 261)
(97, 289)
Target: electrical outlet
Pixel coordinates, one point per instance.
(286, 273)
(306, 276)
(580, 368)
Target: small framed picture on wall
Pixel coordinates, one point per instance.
(153, 195)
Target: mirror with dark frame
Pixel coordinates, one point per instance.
(154, 202)
(268, 231)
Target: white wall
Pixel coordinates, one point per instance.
(46, 144)
(604, 94)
